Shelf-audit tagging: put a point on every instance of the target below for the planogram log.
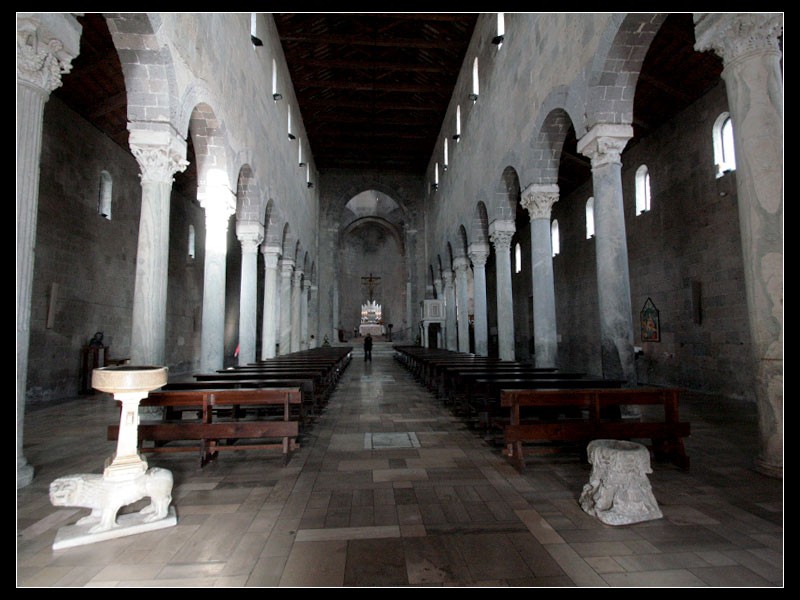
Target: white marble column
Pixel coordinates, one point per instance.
(450, 333)
(46, 45)
(219, 205)
(287, 267)
(538, 199)
(250, 235)
(748, 45)
(305, 286)
(603, 144)
(461, 266)
(500, 234)
(270, 308)
(478, 254)
(313, 316)
(160, 155)
(297, 292)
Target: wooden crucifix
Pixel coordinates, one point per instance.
(371, 282)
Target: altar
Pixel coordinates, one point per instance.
(373, 329)
(371, 319)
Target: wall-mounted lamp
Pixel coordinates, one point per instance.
(310, 184)
(457, 136)
(256, 41)
(498, 39)
(474, 97)
(292, 136)
(434, 187)
(302, 164)
(277, 96)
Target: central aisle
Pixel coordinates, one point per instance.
(394, 490)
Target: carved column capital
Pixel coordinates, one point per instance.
(287, 266)
(270, 254)
(604, 143)
(250, 234)
(733, 36)
(298, 276)
(538, 200)
(160, 154)
(479, 253)
(500, 233)
(46, 45)
(461, 265)
(447, 277)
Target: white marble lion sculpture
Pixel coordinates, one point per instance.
(107, 497)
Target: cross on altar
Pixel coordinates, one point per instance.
(371, 282)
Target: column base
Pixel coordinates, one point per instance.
(130, 524)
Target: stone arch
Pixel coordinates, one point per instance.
(547, 146)
(273, 232)
(462, 246)
(506, 196)
(615, 70)
(147, 65)
(402, 197)
(390, 227)
(287, 242)
(480, 223)
(248, 196)
(210, 148)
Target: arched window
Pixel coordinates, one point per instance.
(501, 31)
(517, 258)
(458, 123)
(445, 161)
(104, 195)
(191, 242)
(555, 238)
(289, 122)
(724, 156)
(590, 218)
(475, 84)
(642, 190)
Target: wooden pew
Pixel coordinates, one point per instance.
(659, 423)
(218, 423)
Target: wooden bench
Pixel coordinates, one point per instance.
(659, 421)
(218, 419)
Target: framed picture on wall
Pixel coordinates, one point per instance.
(650, 323)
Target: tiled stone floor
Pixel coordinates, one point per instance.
(390, 489)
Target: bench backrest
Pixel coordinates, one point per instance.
(220, 397)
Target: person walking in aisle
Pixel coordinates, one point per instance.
(368, 348)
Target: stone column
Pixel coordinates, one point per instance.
(46, 45)
(500, 233)
(297, 286)
(313, 316)
(478, 254)
(304, 290)
(268, 322)
(461, 266)
(335, 308)
(538, 200)
(219, 205)
(250, 236)
(287, 267)
(603, 144)
(437, 286)
(748, 45)
(160, 155)
(451, 336)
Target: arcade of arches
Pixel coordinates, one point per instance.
(193, 240)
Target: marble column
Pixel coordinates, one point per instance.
(270, 308)
(603, 144)
(297, 291)
(219, 205)
(478, 254)
(461, 266)
(538, 200)
(500, 234)
(451, 335)
(250, 236)
(313, 316)
(160, 155)
(46, 45)
(749, 47)
(305, 286)
(287, 267)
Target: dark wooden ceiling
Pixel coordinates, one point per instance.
(373, 89)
